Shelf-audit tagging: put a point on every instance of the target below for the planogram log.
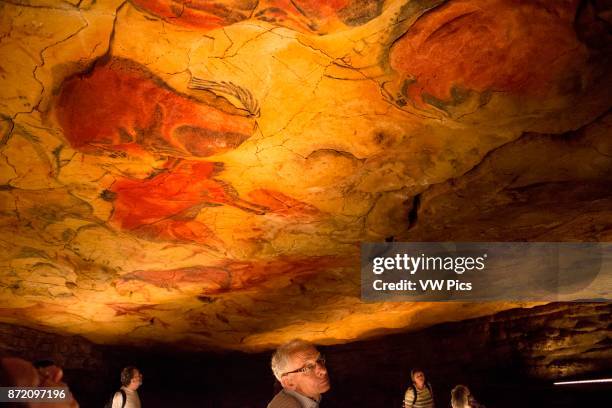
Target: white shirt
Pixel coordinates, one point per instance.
(131, 399)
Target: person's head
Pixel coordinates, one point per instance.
(15, 372)
(460, 397)
(418, 377)
(131, 378)
(299, 367)
(49, 371)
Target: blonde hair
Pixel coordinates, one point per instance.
(460, 396)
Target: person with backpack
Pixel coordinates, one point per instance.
(419, 394)
(127, 396)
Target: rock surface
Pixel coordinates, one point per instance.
(183, 172)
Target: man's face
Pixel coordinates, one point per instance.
(419, 379)
(136, 380)
(311, 383)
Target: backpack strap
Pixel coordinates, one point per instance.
(124, 398)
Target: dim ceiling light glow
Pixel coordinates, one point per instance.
(599, 380)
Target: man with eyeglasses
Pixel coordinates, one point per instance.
(300, 369)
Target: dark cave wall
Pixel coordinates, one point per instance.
(68, 351)
(85, 364)
(508, 358)
(493, 355)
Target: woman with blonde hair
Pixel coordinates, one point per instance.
(461, 397)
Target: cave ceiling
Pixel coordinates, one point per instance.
(201, 173)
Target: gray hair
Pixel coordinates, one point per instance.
(460, 396)
(280, 358)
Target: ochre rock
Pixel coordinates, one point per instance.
(202, 174)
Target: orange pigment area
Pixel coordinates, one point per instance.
(179, 231)
(131, 308)
(140, 311)
(283, 205)
(165, 206)
(140, 202)
(249, 274)
(301, 15)
(515, 46)
(315, 10)
(199, 14)
(233, 275)
(121, 106)
(37, 312)
(212, 279)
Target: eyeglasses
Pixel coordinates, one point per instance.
(308, 368)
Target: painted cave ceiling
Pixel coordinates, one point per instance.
(202, 173)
